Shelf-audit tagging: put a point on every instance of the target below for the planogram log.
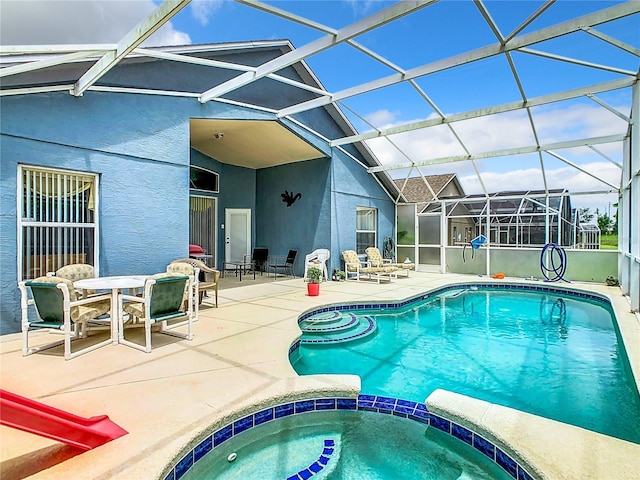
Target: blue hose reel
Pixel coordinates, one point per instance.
(557, 263)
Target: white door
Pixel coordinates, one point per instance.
(237, 234)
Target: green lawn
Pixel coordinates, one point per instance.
(609, 242)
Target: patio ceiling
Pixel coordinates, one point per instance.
(250, 143)
(498, 52)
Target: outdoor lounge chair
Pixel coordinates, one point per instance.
(259, 259)
(376, 260)
(284, 263)
(162, 301)
(208, 278)
(58, 308)
(317, 258)
(355, 268)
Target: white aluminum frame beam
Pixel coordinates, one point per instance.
(393, 12)
(46, 62)
(131, 40)
(548, 33)
(584, 142)
(481, 112)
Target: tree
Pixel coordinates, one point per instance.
(605, 223)
(585, 215)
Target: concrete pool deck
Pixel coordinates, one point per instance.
(238, 359)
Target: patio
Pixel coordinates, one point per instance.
(238, 362)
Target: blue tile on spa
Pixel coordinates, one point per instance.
(285, 410)
(315, 467)
(304, 406)
(421, 413)
(221, 435)
(243, 424)
(326, 404)
(170, 476)
(323, 460)
(347, 403)
(404, 409)
(368, 409)
(263, 416)
(462, 433)
(305, 474)
(440, 423)
(202, 448)
(523, 475)
(415, 418)
(329, 443)
(183, 465)
(406, 403)
(293, 477)
(484, 446)
(327, 451)
(507, 463)
(390, 400)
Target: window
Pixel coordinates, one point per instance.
(365, 228)
(56, 220)
(201, 179)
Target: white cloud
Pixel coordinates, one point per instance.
(564, 177)
(574, 181)
(361, 7)
(382, 118)
(43, 22)
(203, 10)
(497, 132)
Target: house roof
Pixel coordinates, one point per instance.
(248, 143)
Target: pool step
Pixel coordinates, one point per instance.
(348, 328)
(340, 322)
(324, 465)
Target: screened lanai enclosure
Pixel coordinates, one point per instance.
(538, 101)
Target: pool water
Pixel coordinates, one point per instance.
(552, 355)
(356, 444)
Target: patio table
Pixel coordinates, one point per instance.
(115, 284)
(239, 267)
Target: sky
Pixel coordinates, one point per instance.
(437, 31)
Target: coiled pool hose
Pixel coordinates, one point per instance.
(558, 263)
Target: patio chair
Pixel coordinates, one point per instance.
(354, 268)
(259, 259)
(208, 278)
(58, 308)
(284, 263)
(183, 268)
(162, 301)
(78, 271)
(317, 258)
(376, 260)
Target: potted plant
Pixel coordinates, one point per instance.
(338, 275)
(314, 274)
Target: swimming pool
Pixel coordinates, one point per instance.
(541, 350)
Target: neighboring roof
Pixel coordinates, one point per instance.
(415, 190)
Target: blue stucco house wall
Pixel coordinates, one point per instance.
(139, 145)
